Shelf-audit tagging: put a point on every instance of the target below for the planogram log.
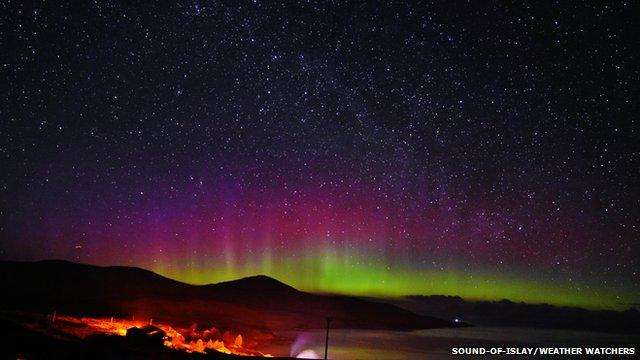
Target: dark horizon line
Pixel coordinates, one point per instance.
(631, 306)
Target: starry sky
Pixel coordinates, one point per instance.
(463, 148)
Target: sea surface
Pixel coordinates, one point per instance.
(438, 343)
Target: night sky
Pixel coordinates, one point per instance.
(487, 151)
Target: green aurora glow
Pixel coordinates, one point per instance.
(328, 272)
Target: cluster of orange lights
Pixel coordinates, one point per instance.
(189, 340)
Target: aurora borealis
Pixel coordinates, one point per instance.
(381, 150)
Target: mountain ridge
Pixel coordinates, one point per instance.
(253, 302)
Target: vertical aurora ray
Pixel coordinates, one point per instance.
(329, 271)
(409, 161)
(344, 241)
(328, 241)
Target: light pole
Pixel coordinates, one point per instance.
(326, 341)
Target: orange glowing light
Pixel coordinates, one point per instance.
(189, 340)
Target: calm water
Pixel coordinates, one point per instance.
(436, 343)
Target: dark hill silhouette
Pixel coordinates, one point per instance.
(63, 285)
(254, 283)
(257, 302)
(260, 291)
(509, 313)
